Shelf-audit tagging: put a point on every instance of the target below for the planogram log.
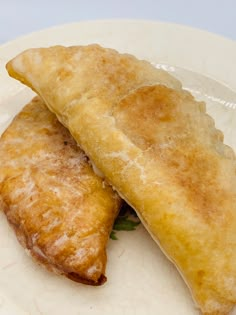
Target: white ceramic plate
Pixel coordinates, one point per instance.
(140, 279)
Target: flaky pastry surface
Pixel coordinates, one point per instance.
(61, 211)
(158, 148)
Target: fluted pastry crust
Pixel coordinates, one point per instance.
(158, 148)
(61, 211)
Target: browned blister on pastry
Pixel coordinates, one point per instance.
(60, 210)
(158, 148)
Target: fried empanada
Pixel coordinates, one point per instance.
(158, 148)
(61, 211)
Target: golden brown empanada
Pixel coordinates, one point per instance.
(158, 148)
(60, 210)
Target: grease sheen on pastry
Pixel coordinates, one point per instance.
(60, 210)
(158, 148)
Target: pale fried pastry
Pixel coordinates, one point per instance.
(60, 210)
(158, 148)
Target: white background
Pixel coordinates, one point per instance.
(19, 17)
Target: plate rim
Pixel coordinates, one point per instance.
(119, 20)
